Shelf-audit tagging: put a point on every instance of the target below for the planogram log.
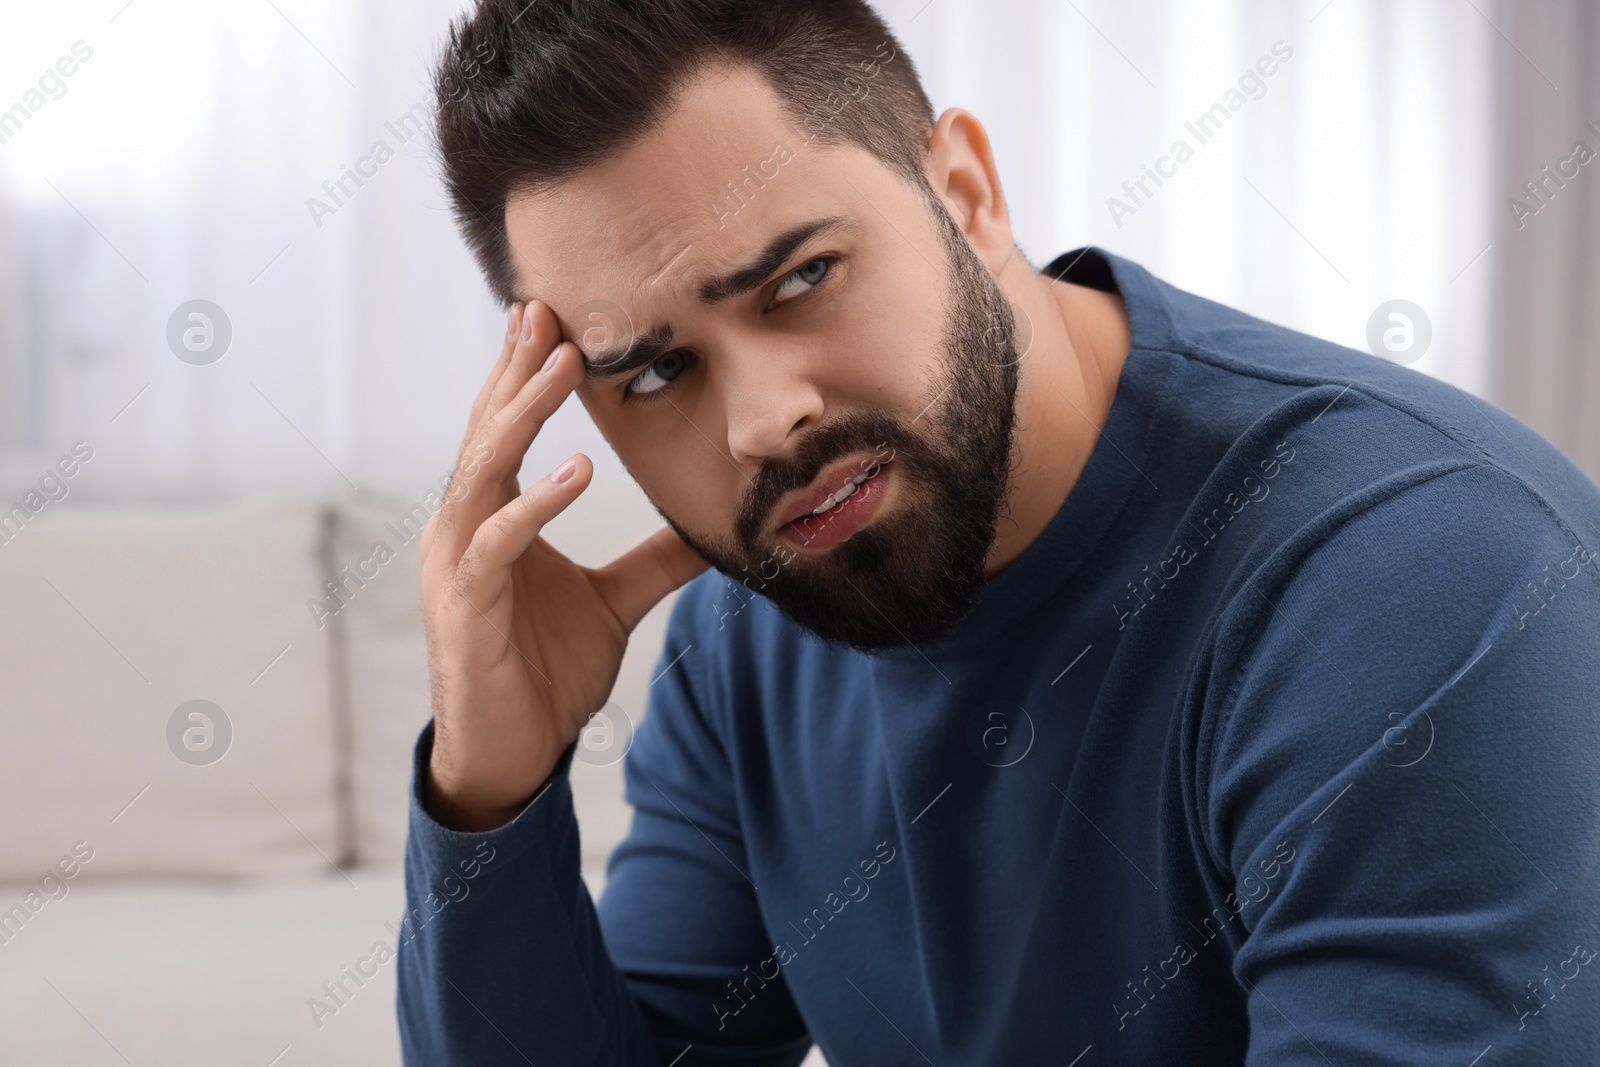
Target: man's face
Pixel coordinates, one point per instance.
(770, 325)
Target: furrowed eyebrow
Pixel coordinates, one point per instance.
(645, 350)
(651, 345)
(767, 262)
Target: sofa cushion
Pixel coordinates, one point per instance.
(117, 619)
(186, 973)
(384, 683)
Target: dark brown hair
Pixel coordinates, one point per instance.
(531, 93)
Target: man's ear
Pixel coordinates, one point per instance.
(962, 172)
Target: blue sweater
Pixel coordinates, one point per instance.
(1280, 745)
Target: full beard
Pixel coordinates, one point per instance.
(912, 574)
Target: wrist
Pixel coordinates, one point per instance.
(456, 806)
(460, 815)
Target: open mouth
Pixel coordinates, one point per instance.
(840, 514)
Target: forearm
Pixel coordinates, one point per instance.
(500, 955)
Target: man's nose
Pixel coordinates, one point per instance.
(767, 400)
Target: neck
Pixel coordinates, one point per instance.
(1066, 382)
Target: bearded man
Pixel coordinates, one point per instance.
(1066, 669)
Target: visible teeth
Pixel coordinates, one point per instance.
(842, 495)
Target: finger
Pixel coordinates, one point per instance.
(475, 417)
(481, 401)
(509, 433)
(539, 334)
(501, 362)
(506, 535)
(480, 486)
(636, 581)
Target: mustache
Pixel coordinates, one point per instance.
(875, 432)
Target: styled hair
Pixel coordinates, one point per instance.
(531, 93)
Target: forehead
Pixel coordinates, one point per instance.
(698, 194)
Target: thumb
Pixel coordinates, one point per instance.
(636, 581)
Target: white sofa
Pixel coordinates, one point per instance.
(208, 903)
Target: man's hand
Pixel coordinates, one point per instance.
(523, 644)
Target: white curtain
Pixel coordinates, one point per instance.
(1357, 172)
(1547, 239)
(178, 162)
(182, 163)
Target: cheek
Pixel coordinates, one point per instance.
(678, 468)
(891, 363)
(686, 484)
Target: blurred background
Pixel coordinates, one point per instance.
(225, 380)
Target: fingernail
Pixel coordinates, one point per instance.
(527, 325)
(549, 363)
(563, 472)
(511, 320)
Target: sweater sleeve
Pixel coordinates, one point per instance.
(680, 908)
(504, 959)
(1404, 787)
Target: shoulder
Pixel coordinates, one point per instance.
(1453, 619)
(1234, 364)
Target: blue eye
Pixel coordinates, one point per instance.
(659, 374)
(809, 277)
